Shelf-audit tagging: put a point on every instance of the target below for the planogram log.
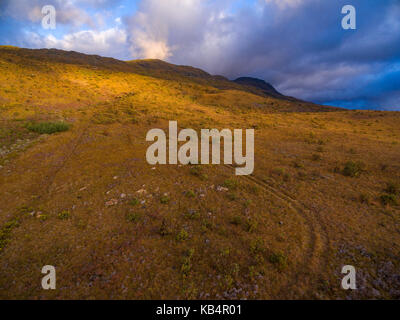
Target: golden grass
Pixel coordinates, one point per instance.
(115, 227)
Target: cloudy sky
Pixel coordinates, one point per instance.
(297, 45)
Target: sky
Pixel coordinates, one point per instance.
(299, 46)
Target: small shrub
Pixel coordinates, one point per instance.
(279, 260)
(182, 235)
(164, 228)
(298, 165)
(190, 194)
(253, 189)
(192, 214)
(353, 169)
(236, 220)
(64, 215)
(187, 262)
(133, 202)
(132, 217)
(231, 184)
(5, 232)
(316, 157)
(257, 246)
(43, 217)
(197, 171)
(48, 127)
(392, 188)
(231, 196)
(164, 200)
(364, 198)
(250, 225)
(389, 199)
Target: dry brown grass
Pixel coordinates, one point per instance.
(284, 232)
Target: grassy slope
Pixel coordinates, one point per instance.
(284, 232)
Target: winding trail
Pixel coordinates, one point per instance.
(319, 244)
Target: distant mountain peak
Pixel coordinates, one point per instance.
(266, 87)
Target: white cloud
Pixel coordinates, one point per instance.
(69, 12)
(178, 29)
(110, 42)
(285, 3)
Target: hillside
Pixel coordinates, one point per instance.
(324, 192)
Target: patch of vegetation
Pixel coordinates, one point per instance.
(393, 188)
(231, 196)
(250, 225)
(231, 184)
(279, 260)
(257, 246)
(192, 214)
(5, 232)
(43, 217)
(254, 189)
(164, 228)
(48, 127)
(64, 215)
(198, 172)
(236, 220)
(132, 217)
(187, 263)
(190, 194)
(389, 199)
(164, 200)
(353, 169)
(298, 165)
(316, 157)
(182, 235)
(133, 202)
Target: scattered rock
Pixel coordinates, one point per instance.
(111, 202)
(222, 189)
(141, 191)
(123, 195)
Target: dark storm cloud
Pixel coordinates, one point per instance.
(299, 46)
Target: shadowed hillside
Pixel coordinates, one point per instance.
(77, 192)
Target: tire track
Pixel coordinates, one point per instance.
(319, 242)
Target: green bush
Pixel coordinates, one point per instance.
(279, 260)
(392, 188)
(132, 217)
(231, 184)
(48, 127)
(164, 200)
(64, 215)
(353, 169)
(133, 202)
(182, 235)
(387, 199)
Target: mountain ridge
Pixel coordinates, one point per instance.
(157, 68)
